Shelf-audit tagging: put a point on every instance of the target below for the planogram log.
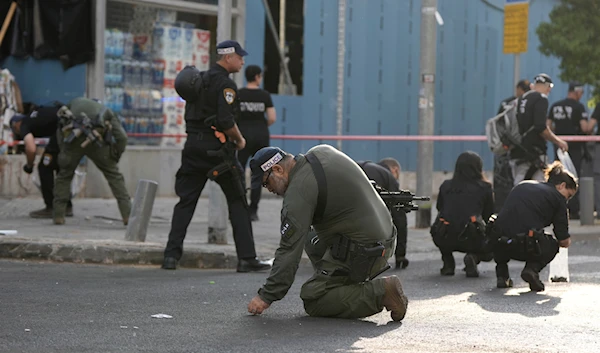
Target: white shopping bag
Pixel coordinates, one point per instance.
(566, 161)
(559, 267)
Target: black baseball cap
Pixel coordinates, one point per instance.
(575, 86)
(543, 78)
(230, 47)
(262, 161)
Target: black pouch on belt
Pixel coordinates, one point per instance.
(363, 260)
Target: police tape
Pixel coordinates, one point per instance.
(460, 138)
(476, 138)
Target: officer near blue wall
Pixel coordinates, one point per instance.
(386, 174)
(41, 122)
(210, 122)
(569, 117)
(518, 232)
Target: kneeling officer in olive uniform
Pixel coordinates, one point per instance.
(328, 190)
(88, 128)
(519, 229)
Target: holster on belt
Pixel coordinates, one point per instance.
(360, 257)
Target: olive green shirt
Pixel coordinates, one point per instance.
(353, 209)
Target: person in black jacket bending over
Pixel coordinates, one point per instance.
(386, 174)
(464, 203)
(519, 229)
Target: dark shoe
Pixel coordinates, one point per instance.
(533, 278)
(402, 262)
(502, 282)
(69, 212)
(169, 263)
(447, 271)
(394, 299)
(43, 213)
(253, 216)
(471, 265)
(252, 265)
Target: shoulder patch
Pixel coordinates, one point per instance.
(229, 94)
(287, 229)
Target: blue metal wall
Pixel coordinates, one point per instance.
(382, 74)
(42, 81)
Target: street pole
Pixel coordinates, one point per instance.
(426, 109)
(217, 203)
(341, 59)
(517, 69)
(282, 5)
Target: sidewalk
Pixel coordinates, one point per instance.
(96, 235)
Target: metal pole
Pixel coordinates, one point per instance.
(517, 68)
(240, 35)
(586, 201)
(426, 109)
(341, 62)
(141, 210)
(282, 4)
(95, 70)
(217, 203)
(271, 23)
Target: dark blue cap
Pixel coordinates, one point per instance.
(16, 118)
(230, 47)
(575, 86)
(262, 161)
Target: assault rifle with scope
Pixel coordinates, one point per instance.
(400, 200)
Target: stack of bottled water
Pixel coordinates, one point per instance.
(133, 83)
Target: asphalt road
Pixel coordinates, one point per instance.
(47, 307)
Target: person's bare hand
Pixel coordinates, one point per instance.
(565, 243)
(240, 144)
(257, 306)
(563, 145)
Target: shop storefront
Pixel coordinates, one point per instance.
(141, 45)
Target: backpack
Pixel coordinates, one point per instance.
(502, 131)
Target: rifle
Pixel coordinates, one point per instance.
(78, 126)
(230, 164)
(400, 200)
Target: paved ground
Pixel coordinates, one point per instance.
(79, 308)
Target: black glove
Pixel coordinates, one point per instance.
(28, 169)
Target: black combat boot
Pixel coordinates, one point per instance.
(401, 262)
(449, 265)
(252, 265)
(502, 282)
(533, 278)
(471, 262)
(169, 263)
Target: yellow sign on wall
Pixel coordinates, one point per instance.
(516, 19)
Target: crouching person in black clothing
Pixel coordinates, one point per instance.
(519, 229)
(463, 203)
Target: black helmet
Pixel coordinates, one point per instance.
(188, 83)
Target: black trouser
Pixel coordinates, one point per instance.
(401, 224)
(576, 152)
(504, 253)
(503, 180)
(256, 138)
(189, 182)
(46, 168)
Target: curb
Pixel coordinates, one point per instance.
(110, 254)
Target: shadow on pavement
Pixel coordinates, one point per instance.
(517, 301)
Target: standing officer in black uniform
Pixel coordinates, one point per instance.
(216, 108)
(519, 229)
(528, 160)
(569, 117)
(42, 122)
(255, 103)
(386, 174)
(503, 179)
